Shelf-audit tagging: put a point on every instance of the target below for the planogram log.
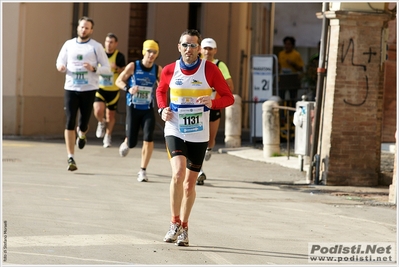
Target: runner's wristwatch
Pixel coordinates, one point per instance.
(160, 111)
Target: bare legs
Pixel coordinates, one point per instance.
(213, 130)
(182, 188)
(146, 153)
(70, 139)
(99, 109)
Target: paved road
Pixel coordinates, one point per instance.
(248, 211)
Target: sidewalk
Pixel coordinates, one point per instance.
(248, 212)
(372, 195)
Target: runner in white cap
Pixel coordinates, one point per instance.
(208, 51)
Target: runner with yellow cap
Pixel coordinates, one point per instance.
(150, 45)
(139, 80)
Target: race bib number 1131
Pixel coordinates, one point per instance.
(191, 120)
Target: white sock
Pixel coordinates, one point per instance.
(70, 156)
(81, 134)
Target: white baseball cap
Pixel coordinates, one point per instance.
(208, 42)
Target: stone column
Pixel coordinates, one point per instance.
(352, 115)
(270, 128)
(233, 124)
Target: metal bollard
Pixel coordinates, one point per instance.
(271, 128)
(233, 124)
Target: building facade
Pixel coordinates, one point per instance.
(32, 88)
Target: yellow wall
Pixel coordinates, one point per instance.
(10, 54)
(166, 22)
(111, 18)
(32, 87)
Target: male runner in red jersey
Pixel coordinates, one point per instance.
(189, 81)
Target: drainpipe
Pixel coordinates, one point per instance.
(20, 71)
(321, 74)
(75, 17)
(272, 15)
(229, 36)
(85, 9)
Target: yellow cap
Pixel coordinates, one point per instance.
(150, 45)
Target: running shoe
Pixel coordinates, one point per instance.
(174, 230)
(80, 141)
(208, 154)
(201, 178)
(107, 141)
(182, 239)
(72, 165)
(123, 149)
(100, 132)
(142, 176)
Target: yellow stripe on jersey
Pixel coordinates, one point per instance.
(183, 92)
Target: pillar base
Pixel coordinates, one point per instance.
(232, 141)
(271, 150)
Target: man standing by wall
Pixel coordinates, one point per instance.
(80, 58)
(289, 59)
(107, 96)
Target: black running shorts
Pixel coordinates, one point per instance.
(214, 114)
(110, 98)
(194, 152)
